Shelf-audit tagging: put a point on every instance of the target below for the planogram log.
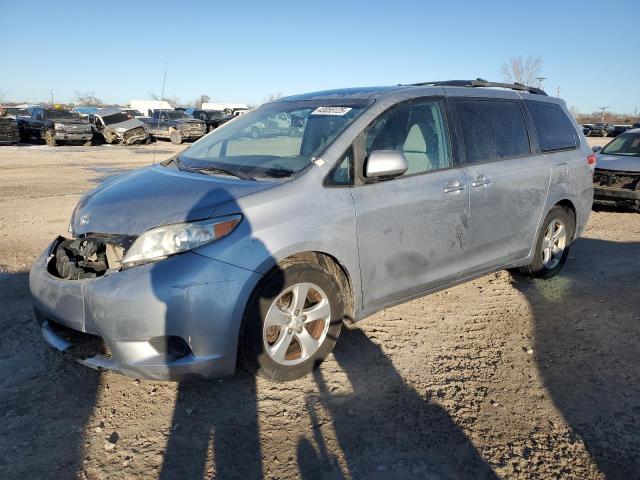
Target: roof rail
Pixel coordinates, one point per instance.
(480, 82)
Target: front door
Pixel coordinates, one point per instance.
(411, 229)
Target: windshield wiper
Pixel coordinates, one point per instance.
(235, 173)
(211, 169)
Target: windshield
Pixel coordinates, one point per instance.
(61, 114)
(275, 140)
(175, 115)
(18, 112)
(625, 144)
(116, 118)
(135, 113)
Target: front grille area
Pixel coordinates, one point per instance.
(134, 132)
(616, 179)
(192, 129)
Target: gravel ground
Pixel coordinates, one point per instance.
(502, 377)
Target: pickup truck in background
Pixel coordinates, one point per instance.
(175, 125)
(9, 133)
(54, 126)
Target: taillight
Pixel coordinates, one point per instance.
(591, 161)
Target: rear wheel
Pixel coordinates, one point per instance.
(552, 246)
(49, 138)
(292, 322)
(175, 137)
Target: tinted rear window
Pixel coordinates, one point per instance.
(492, 129)
(554, 128)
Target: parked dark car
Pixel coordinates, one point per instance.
(9, 133)
(599, 130)
(616, 130)
(617, 175)
(212, 118)
(55, 125)
(175, 125)
(117, 126)
(586, 130)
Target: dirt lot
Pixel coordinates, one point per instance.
(501, 377)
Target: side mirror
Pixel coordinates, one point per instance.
(385, 163)
(596, 149)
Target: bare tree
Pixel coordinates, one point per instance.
(88, 99)
(522, 70)
(200, 100)
(173, 100)
(273, 97)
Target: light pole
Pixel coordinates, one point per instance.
(540, 80)
(602, 115)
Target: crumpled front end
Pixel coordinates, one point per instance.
(135, 135)
(616, 186)
(173, 319)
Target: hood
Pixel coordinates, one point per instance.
(622, 163)
(128, 124)
(134, 202)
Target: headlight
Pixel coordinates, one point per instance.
(167, 240)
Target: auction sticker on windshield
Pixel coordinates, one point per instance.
(331, 110)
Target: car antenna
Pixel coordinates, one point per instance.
(164, 81)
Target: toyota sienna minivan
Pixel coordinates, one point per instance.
(252, 250)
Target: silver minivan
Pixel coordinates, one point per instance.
(253, 250)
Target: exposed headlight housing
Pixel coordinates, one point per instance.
(167, 240)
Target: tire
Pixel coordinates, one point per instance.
(258, 346)
(548, 264)
(50, 139)
(604, 133)
(175, 137)
(147, 140)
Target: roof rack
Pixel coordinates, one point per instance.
(480, 82)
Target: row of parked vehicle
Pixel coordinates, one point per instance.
(605, 129)
(140, 123)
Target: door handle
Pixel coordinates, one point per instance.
(454, 186)
(481, 181)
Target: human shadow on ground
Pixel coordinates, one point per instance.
(587, 346)
(384, 428)
(46, 400)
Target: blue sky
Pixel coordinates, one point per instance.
(246, 50)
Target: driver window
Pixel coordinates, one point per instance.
(418, 130)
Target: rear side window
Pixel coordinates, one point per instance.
(555, 130)
(492, 129)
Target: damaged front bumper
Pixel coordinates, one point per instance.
(169, 320)
(73, 136)
(617, 187)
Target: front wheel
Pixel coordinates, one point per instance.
(175, 137)
(552, 246)
(292, 322)
(50, 139)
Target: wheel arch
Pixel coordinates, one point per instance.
(569, 206)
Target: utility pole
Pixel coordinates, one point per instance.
(540, 80)
(558, 92)
(51, 92)
(603, 110)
